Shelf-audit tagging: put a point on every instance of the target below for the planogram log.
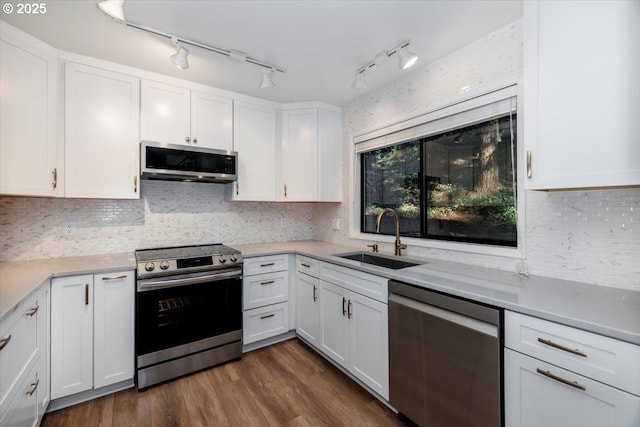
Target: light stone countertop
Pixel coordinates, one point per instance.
(603, 310)
(18, 279)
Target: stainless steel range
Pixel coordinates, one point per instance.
(188, 310)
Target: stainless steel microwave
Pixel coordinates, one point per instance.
(175, 162)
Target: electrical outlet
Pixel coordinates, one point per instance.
(69, 229)
(335, 223)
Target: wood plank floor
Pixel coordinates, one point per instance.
(286, 384)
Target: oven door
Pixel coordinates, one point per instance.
(184, 314)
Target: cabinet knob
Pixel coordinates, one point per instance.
(187, 139)
(195, 140)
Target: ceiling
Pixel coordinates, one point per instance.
(321, 44)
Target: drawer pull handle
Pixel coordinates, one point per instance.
(267, 316)
(561, 347)
(529, 173)
(34, 387)
(32, 311)
(124, 276)
(268, 264)
(4, 342)
(86, 294)
(305, 265)
(268, 282)
(573, 384)
(349, 312)
(315, 292)
(344, 310)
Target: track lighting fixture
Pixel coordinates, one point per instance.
(406, 59)
(267, 79)
(359, 83)
(180, 58)
(115, 9)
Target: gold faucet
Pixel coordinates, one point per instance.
(399, 245)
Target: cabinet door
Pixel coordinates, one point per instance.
(114, 306)
(369, 342)
(308, 308)
(580, 117)
(165, 113)
(299, 151)
(254, 138)
(71, 335)
(211, 121)
(101, 133)
(43, 389)
(533, 399)
(330, 147)
(333, 320)
(28, 141)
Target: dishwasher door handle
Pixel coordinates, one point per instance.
(460, 319)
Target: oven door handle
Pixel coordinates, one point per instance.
(150, 285)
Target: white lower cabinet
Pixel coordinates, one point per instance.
(538, 394)
(336, 315)
(308, 308)
(24, 361)
(265, 297)
(92, 331)
(556, 375)
(354, 333)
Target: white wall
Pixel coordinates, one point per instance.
(586, 236)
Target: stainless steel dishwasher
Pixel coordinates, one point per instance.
(444, 359)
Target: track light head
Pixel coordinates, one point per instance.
(181, 57)
(113, 8)
(405, 58)
(359, 83)
(267, 79)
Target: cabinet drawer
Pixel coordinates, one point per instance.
(23, 410)
(363, 283)
(307, 265)
(265, 264)
(265, 289)
(540, 394)
(265, 322)
(19, 335)
(601, 358)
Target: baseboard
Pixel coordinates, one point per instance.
(84, 396)
(269, 341)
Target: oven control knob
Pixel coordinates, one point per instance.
(233, 258)
(222, 259)
(164, 264)
(149, 266)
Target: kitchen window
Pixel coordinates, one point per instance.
(453, 178)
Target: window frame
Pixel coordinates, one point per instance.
(403, 126)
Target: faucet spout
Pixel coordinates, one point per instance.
(399, 246)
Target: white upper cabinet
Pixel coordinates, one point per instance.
(178, 115)
(211, 121)
(311, 153)
(254, 138)
(581, 94)
(165, 113)
(101, 133)
(29, 155)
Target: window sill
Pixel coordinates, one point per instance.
(501, 251)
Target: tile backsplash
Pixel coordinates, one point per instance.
(167, 214)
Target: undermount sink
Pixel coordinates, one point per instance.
(380, 261)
